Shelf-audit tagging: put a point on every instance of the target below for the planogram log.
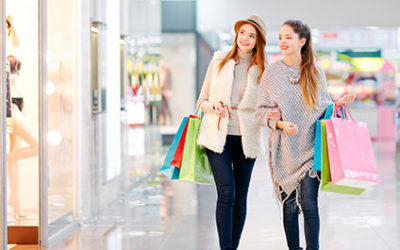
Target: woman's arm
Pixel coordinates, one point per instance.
(288, 127)
(267, 111)
(206, 106)
(265, 103)
(346, 99)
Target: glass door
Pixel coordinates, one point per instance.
(61, 125)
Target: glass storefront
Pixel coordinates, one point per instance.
(62, 148)
(41, 136)
(62, 112)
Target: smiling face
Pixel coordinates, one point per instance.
(247, 38)
(289, 41)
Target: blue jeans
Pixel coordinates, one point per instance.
(308, 200)
(232, 174)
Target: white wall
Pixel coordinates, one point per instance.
(84, 122)
(113, 90)
(94, 192)
(221, 15)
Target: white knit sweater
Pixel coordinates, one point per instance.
(220, 89)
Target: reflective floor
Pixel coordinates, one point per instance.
(164, 214)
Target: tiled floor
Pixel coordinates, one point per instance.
(161, 214)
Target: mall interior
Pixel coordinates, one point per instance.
(93, 94)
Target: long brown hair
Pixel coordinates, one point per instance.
(258, 57)
(308, 72)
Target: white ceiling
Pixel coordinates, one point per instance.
(144, 16)
(214, 15)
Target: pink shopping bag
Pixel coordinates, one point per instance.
(351, 156)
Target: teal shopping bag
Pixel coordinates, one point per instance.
(317, 161)
(167, 169)
(195, 165)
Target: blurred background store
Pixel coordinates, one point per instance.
(106, 83)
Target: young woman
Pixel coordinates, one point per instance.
(297, 88)
(229, 129)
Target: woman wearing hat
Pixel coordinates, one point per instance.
(229, 131)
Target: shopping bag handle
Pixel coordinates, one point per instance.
(229, 114)
(345, 111)
(336, 112)
(198, 111)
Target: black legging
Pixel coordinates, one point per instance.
(308, 199)
(232, 174)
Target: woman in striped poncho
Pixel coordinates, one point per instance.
(297, 88)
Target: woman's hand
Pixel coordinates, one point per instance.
(346, 99)
(219, 109)
(274, 115)
(288, 127)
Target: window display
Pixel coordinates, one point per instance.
(55, 121)
(387, 94)
(372, 78)
(387, 100)
(350, 71)
(23, 131)
(397, 120)
(22, 161)
(148, 92)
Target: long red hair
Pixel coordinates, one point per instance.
(258, 57)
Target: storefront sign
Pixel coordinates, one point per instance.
(361, 38)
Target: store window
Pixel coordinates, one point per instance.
(57, 122)
(23, 127)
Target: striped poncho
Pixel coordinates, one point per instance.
(290, 156)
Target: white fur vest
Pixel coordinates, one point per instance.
(220, 90)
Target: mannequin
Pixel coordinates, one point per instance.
(166, 92)
(22, 130)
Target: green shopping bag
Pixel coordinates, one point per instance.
(326, 183)
(195, 165)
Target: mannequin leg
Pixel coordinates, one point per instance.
(23, 129)
(13, 178)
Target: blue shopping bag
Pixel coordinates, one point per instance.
(318, 142)
(167, 169)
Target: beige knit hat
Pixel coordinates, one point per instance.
(254, 20)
